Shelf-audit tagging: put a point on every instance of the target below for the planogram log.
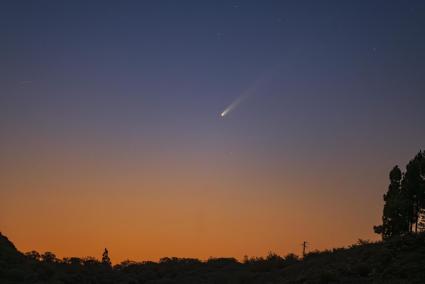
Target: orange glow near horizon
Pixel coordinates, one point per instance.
(145, 213)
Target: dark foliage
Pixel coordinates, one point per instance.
(404, 208)
(398, 260)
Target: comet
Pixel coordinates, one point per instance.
(234, 104)
(250, 91)
(246, 94)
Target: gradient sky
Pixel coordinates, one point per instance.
(111, 135)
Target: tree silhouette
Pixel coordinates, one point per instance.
(404, 208)
(413, 186)
(105, 258)
(394, 221)
(34, 255)
(48, 257)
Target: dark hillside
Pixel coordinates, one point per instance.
(6, 247)
(13, 264)
(399, 260)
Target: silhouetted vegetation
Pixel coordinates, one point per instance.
(404, 208)
(398, 260)
(106, 261)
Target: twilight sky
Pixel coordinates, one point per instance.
(111, 134)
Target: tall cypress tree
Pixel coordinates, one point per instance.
(394, 221)
(404, 208)
(413, 186)
(105, 258)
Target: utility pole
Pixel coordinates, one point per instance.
(304, 245)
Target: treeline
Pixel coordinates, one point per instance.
(404, 207)
(399, 260)
(35, 267)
